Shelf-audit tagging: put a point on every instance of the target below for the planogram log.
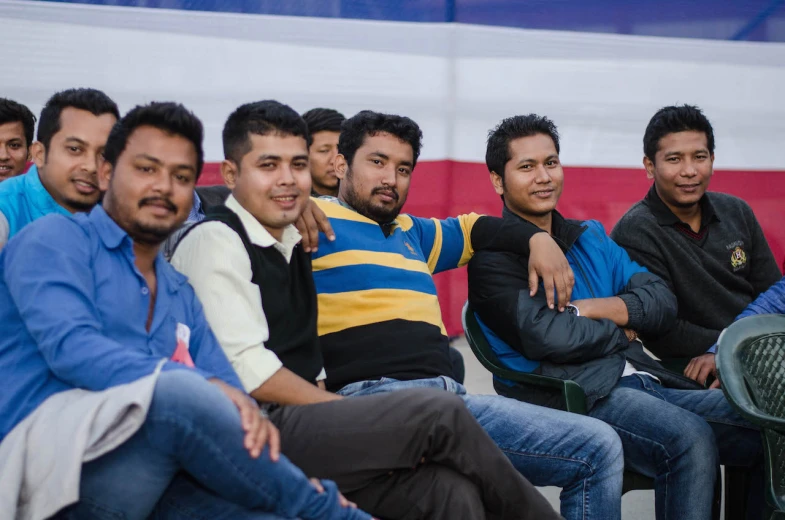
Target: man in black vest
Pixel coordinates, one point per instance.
(417, 454)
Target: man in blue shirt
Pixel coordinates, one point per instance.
(72, 132)
(87, 302)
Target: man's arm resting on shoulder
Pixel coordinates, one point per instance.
(217, 265)
(499, 293)
(56, 301)
(546, 259)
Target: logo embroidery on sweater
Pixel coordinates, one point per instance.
(410, 248)
(738, 258)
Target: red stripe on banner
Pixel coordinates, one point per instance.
(444, 188)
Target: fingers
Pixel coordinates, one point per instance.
(691, 370)
(549, 284)
(311, 230)
(322, 222)
(534, 281)
(345, 502)
(570, 281)
(704, 372)
(561, 291)
(317, 484)
(715, 384)
(274, 441)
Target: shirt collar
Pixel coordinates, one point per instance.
(196, 214)
(565, 232)
(40, 197)
(664, 215)
(113, 237)
(111, 234)
(330, 198)
(259, 235)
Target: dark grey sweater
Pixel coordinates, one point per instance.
(714, 273)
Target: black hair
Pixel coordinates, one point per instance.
(89, 99)
(497, 151)
(672, 119)
(172, 118)
(260, 118)
(323, 119)
(368, 123)
(13, 112)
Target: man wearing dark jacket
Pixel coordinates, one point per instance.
(707, 246)
(675, 435)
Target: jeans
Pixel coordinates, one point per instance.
(194, 428)
(579, 454)
(679, 437)
(407, 455)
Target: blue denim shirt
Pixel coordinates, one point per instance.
(73, 314)
(24, 199)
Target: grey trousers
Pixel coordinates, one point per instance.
(412, 454)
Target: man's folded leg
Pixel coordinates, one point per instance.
(581, 455)
(193, 427)
(357, 442)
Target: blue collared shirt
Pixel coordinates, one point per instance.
(24, 199)
(196, 214)
(73, 314)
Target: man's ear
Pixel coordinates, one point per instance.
(229, 172)
(649, 165)
(498, 183)
(37, 154)
(341, 166)
(104, 175)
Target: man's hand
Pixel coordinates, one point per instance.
(701, 367)
(310, 223)
(258, 429)
(547, 261)
(345, 502)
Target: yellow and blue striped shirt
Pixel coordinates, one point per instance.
(379, 314)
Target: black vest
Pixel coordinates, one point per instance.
(288, 298)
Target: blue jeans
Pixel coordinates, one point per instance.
(194, 428)
(579, 454)
(678, 437)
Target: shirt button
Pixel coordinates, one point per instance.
(145, 291)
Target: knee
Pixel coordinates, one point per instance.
(178, 390)
(693, 440)
(606, 454)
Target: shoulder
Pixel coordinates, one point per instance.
(206, 239)
(54, 234)
(11, 191)
(638, 215)
(727, 203)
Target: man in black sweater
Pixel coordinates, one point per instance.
(708, 247)
(419, 454)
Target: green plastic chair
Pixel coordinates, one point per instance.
(573, 396)
(751, 366)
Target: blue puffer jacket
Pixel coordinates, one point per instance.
(528, 336)
(24, 199)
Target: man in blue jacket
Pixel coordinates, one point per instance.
(72, 132)
(675, 435)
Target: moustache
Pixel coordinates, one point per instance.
(389, 191)
(149, 201)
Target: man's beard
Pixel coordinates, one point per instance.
(141, 232)
(81, 206)
(380, 215)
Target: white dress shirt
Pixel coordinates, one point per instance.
(216, 263)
